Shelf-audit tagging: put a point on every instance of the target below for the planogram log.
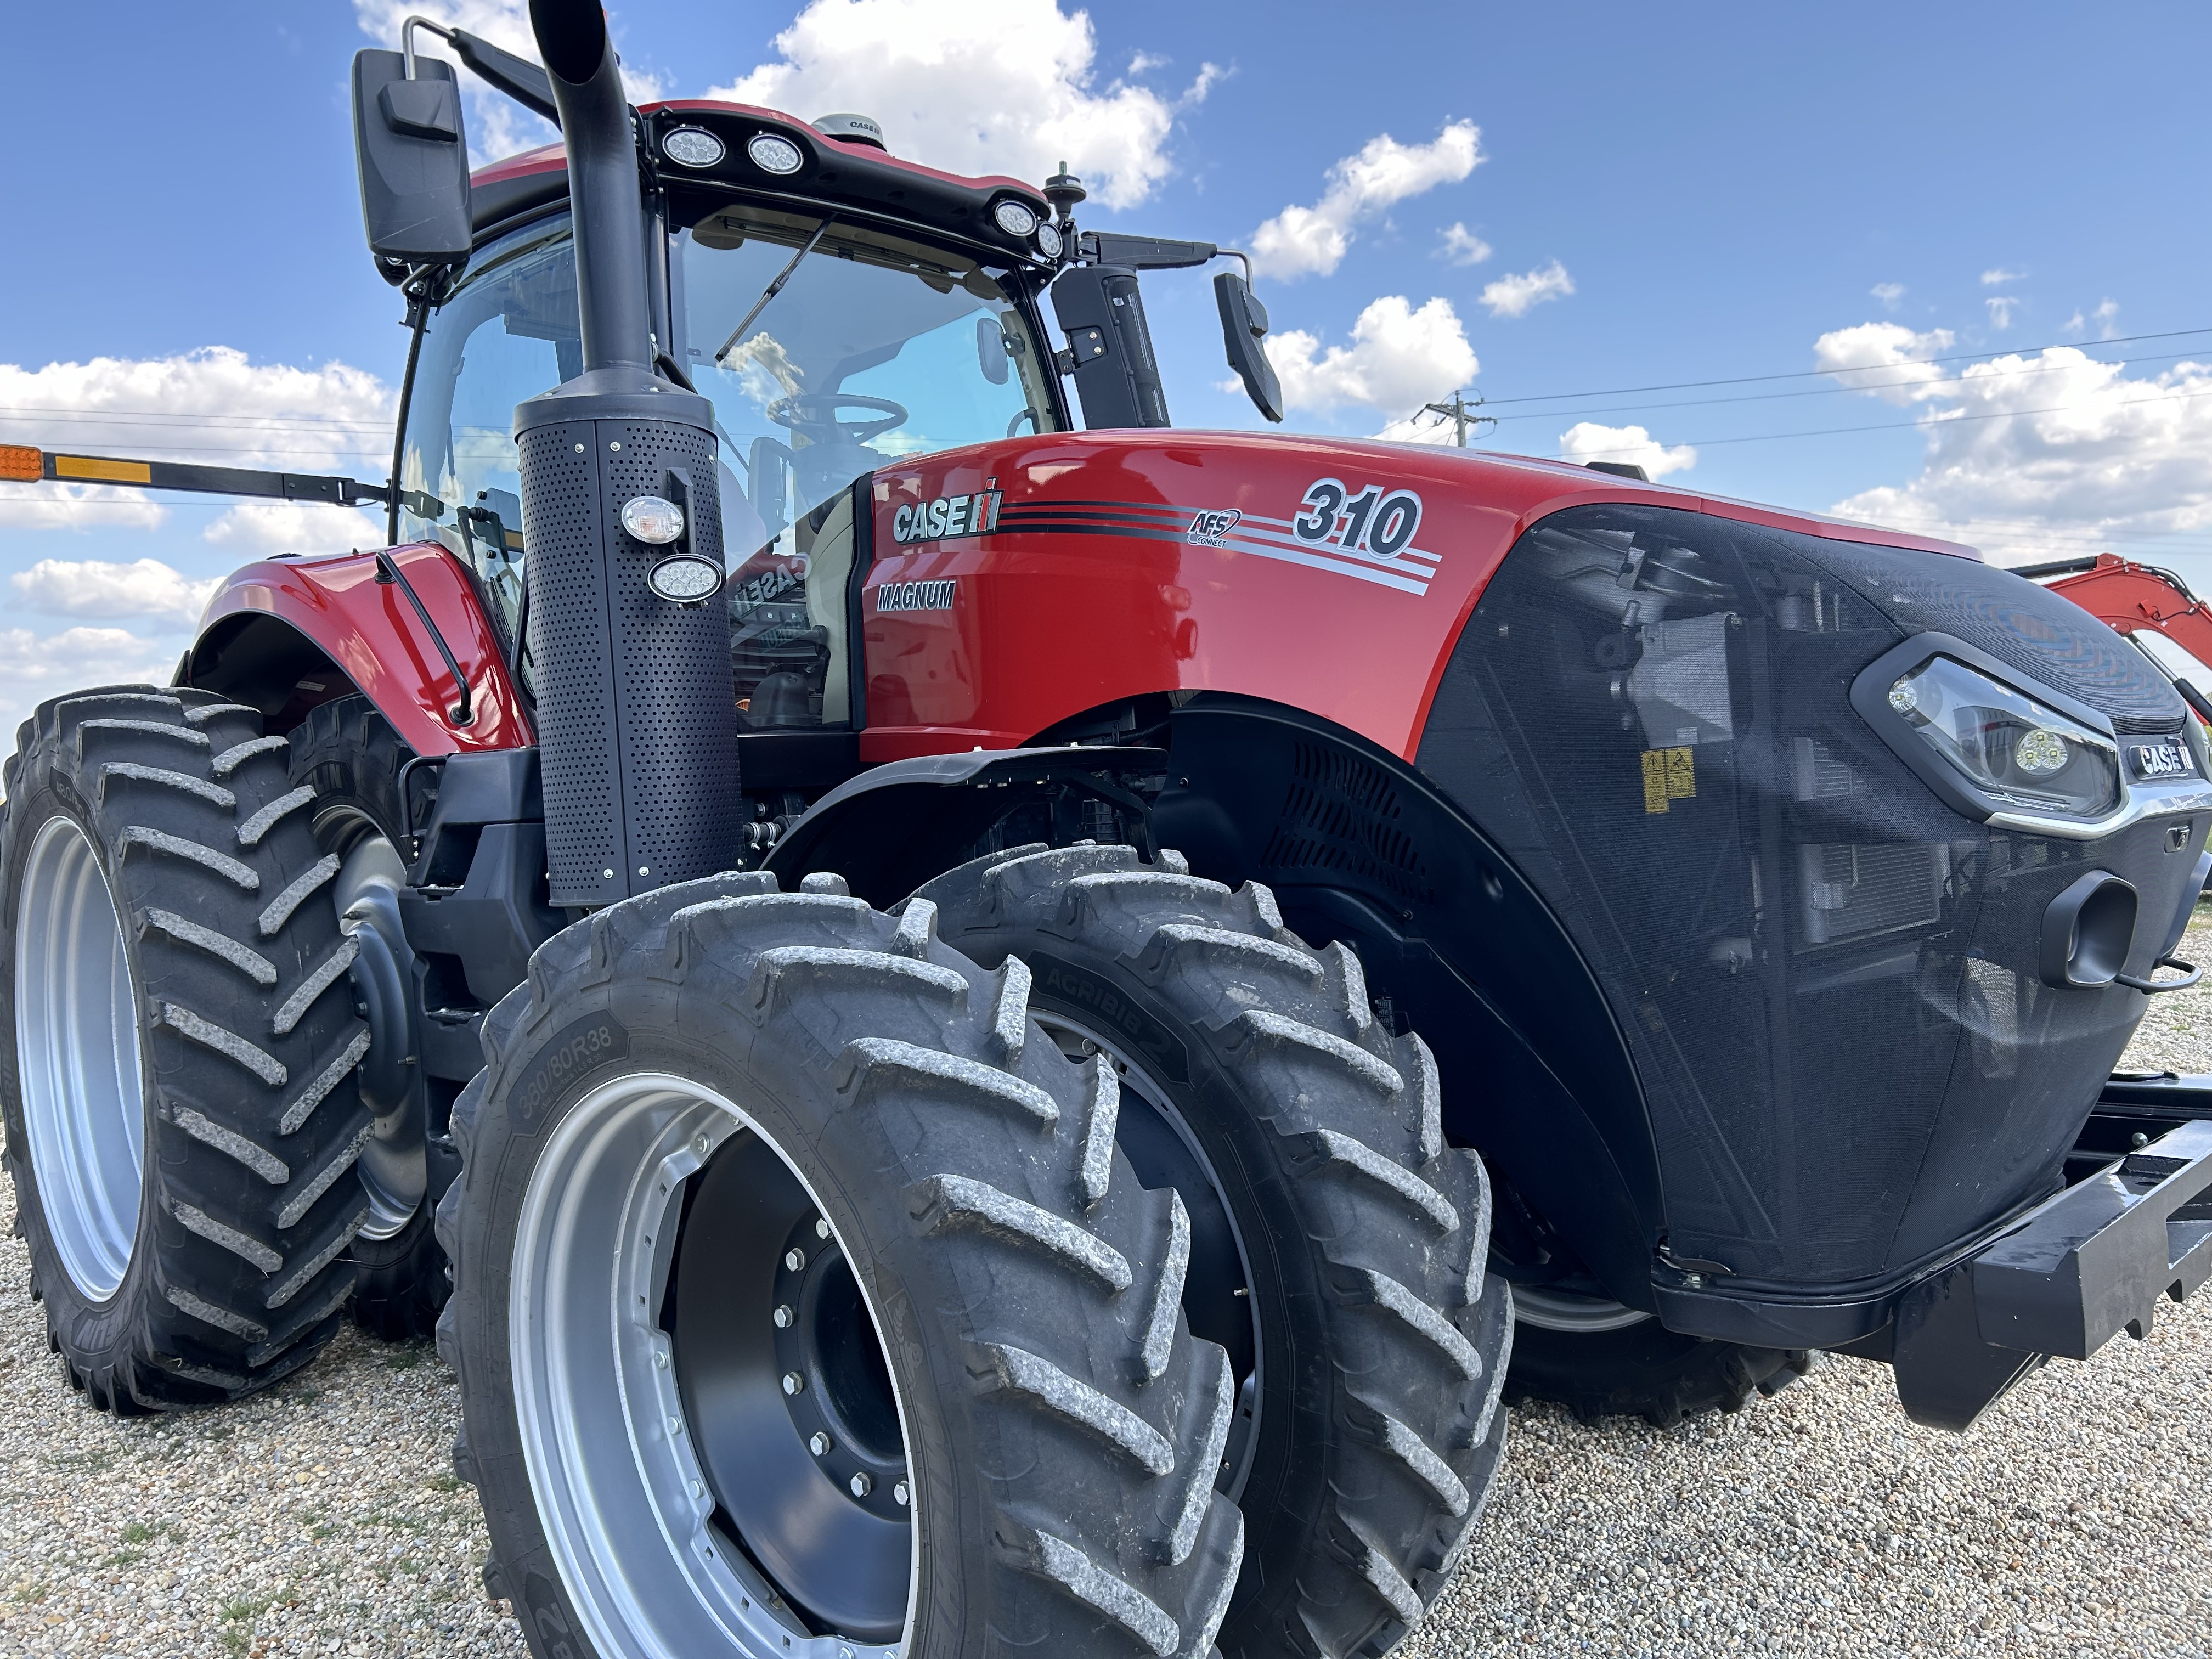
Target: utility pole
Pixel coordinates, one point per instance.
(1457, 411)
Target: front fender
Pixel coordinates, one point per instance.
(369, 631)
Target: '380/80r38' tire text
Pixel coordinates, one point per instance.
(803, 1307)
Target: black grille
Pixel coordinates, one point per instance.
(1343, 816)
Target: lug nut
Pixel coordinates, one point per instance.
(822, 1226)
(819, 1443)
(794, 1382)
(702, 1145)
(902, 1492)
(795, 1258)
(784, 1316)
(862, 1483)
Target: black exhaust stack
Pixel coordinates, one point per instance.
(636, 707)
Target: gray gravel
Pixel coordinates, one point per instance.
(2076, 1520)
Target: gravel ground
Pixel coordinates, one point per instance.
(2077, 1519)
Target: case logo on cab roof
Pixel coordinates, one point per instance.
(946, 517)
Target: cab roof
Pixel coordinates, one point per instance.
(837, 171)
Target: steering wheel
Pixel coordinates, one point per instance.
(813, 414)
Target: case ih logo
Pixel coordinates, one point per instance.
(2161, 760)
(946, 517)
(914, 595)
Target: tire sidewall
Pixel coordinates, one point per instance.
(772, 1085)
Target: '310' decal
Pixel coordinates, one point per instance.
(1374, 520)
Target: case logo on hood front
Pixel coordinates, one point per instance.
(946, 517)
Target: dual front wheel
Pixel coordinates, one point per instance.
(920, 1301)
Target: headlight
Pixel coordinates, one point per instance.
(2009, 746)
(774, 155)
(1015, 218)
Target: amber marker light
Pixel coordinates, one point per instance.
(20, 464)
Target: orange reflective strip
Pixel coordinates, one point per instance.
(90, 466)
(21, 465)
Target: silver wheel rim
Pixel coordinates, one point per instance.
(621, 1495)
(76, 1053)
(372, 861)
(1549, 1309)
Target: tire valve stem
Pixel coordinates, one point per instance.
(862, 1483)
(794, 1382)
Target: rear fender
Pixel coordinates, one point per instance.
(285, 635)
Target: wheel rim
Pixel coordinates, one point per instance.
(1152, 1134)
(371, 868)
(707, 1524)
(1549, 1308)
(76, 1053)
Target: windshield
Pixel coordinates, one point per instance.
(874, 348)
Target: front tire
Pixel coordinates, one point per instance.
(182, 1118)
(1325, 1211)
(897, 1359)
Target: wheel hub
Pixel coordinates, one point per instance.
(836, 1386)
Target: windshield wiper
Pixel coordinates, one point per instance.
(774, 288)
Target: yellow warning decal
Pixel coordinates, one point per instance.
(1669, 774)
(91, 466)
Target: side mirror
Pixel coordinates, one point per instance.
(413, 158)
(1244, 327)
(990, 349)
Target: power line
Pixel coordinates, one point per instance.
(1903, 426)
(1817, 391)
(12, 410)
(1814, 373)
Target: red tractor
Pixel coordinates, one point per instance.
(981, 1036)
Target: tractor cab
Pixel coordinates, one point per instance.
(840, 309)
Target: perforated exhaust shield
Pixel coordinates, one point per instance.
(636, 709)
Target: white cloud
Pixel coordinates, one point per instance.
(212, 405)
(1399, 357)
(1884, 358)
(1512, 297)
(2030, 458)
(1145, 61)
(1312, 241)
(254, 529)
(34, 668)
(1463, 248)
(1888, 293)
(992, 86)
(1586, 440)
(2001, 307)
(2106, 314)
(1997, 276)
(96, 587)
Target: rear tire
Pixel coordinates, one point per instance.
(181, 1113)
(348, 752)
(1359, 1238)
(704, 1101)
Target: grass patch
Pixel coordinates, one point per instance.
(448, 1481)
(406, 1358)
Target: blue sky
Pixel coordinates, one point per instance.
(1729, 191)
